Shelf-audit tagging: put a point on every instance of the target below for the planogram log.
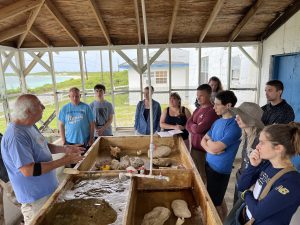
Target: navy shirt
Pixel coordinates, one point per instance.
(282, 201)
(281, 113)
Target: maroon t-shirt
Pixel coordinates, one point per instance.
(199, 124)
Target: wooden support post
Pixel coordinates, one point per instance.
(200, 78)
(140, 62)
(21, 65)
(170, 70)
(101, 65)
(3, 95)
(112, 86)
(258, 79)
(152, 60)
(82, 74)
(229, 68)
(54, 88)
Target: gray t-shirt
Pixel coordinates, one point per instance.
(102, 111)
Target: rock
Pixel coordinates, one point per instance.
(162, 162)
(180, 221)
(180, 209)
(115, 164)
(131, 169)
(162, 151)
(136, 162)
(124, 162)
(158, 216)
(115, 152)
(102, 163)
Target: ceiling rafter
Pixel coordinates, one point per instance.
(30, 22)
(211, 19)
(17, 7)
(245, 20)
(62, 21)
(40, 36)
(289, 12)
(174, 15)
(137, 19)
(100, 21)
(12, 32)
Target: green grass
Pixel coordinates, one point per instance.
(119, 79)
(124, 112)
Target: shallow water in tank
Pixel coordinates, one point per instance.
(91, 201)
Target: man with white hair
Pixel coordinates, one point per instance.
(27, 157)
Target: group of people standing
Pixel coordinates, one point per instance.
(213, 132)
(80, 123)
(267, 138)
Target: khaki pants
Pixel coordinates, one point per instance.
(6, 188)
(30, 210)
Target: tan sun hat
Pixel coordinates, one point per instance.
(250, 114)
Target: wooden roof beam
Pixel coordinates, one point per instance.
(40, 36)
(245, 20)
(18, 7)
(211, 19)
(30, 22)
(62, 21)
(174, 15)
(100, 21)
(137, 19)
(279, 21)
(12, 32)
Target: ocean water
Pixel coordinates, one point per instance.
(33, 81)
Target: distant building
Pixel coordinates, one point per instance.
(160, 75)
(185, 73)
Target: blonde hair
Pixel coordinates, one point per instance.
(74, 89)
(253, 134)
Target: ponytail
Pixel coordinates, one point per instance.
(287, 135)
(295, 130)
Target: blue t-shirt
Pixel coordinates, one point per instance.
(77, 120)
(102, 111)
(228, 132)
(22, 145)
(282, 200)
